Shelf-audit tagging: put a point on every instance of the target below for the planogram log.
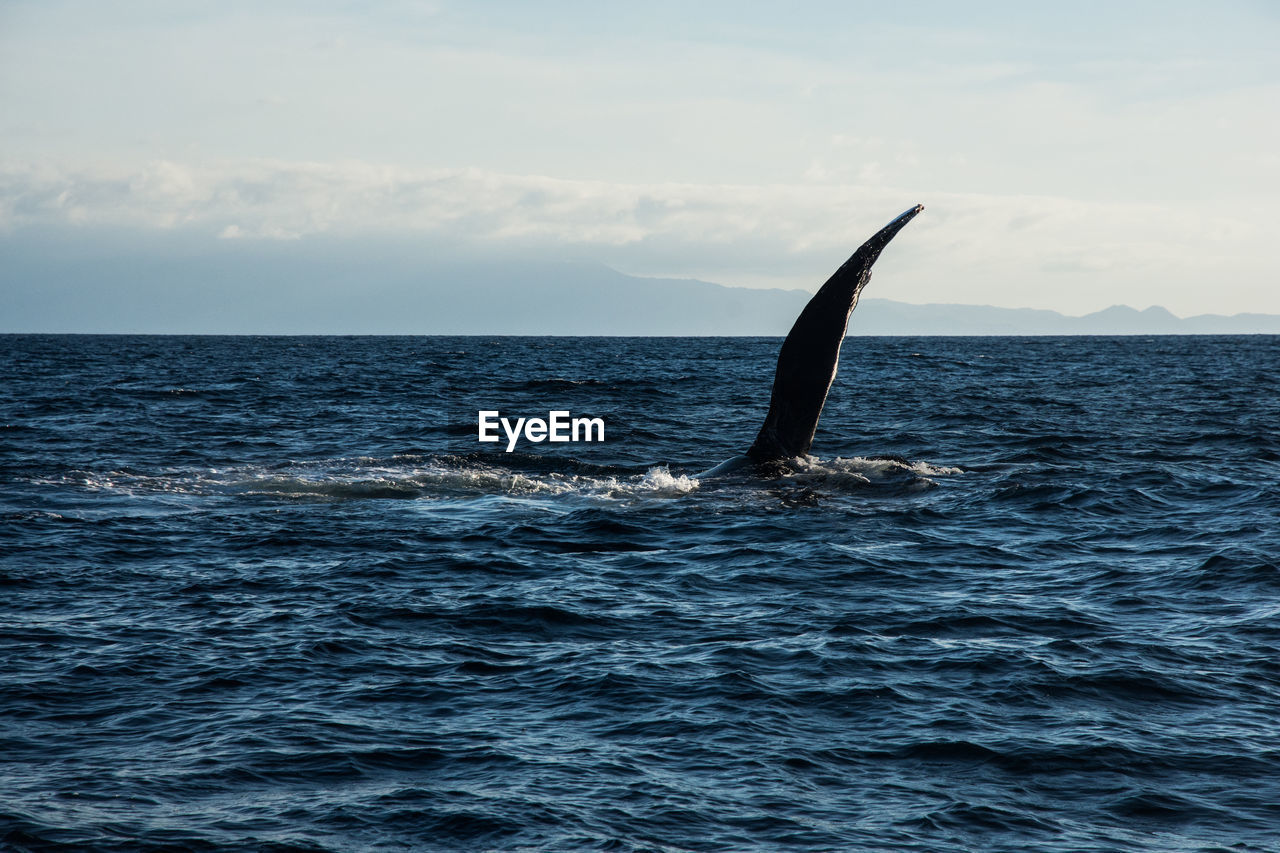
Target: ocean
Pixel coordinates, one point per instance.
(272, 594)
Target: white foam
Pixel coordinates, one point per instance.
(660, 480)
(927, 470)
(442, 478)
(860, 472)
(407, 476)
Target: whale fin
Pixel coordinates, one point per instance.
(811, 352)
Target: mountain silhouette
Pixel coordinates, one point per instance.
(96, 282)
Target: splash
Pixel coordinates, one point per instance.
(660, 480)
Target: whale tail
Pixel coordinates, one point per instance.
(811, 352)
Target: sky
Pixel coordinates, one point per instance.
(1069, 156)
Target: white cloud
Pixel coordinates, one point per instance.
(1033, 251)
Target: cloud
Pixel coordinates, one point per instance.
(1032, 251)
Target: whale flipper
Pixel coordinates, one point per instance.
(807, 362)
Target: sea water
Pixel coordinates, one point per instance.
(272, 593)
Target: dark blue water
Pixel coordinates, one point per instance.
(271, 594)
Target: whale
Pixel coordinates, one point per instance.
(809, 358)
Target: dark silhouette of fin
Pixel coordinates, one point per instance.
(811, 352)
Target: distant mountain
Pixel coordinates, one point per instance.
(885, 317)
(176, 283)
